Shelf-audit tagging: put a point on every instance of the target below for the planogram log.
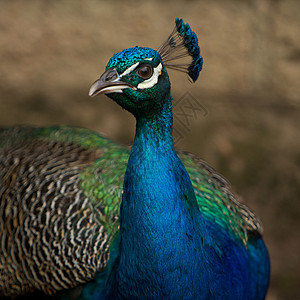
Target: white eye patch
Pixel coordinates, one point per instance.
(129, 70)
(149, 83)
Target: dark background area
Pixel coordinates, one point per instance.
(246, 115)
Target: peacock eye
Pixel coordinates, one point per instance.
(145, 71)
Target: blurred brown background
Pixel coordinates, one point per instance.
(51, 51)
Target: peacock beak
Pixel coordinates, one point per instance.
(109, 82)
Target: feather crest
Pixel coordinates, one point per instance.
(181, 43)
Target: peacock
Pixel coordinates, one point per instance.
(82, 217)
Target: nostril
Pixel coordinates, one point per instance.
(111, 76)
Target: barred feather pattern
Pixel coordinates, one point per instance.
(50, 234)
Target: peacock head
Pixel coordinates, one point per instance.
(137, 79)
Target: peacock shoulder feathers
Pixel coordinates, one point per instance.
(47, 219)
(85, 218)
(63, 185)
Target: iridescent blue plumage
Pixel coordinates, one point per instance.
(177, 233)
(167, 247)
(182, 42)
(191, 42)
(128, 57)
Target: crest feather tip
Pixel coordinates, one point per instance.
(181, 43)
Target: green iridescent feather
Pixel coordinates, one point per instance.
(103, 181)
(64, 190)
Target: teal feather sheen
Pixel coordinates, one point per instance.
(104, 188)
(111, 222)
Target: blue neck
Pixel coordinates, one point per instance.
(166, 248)
(154, 134)
(157, 229)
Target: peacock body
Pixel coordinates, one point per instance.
(84, 218)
